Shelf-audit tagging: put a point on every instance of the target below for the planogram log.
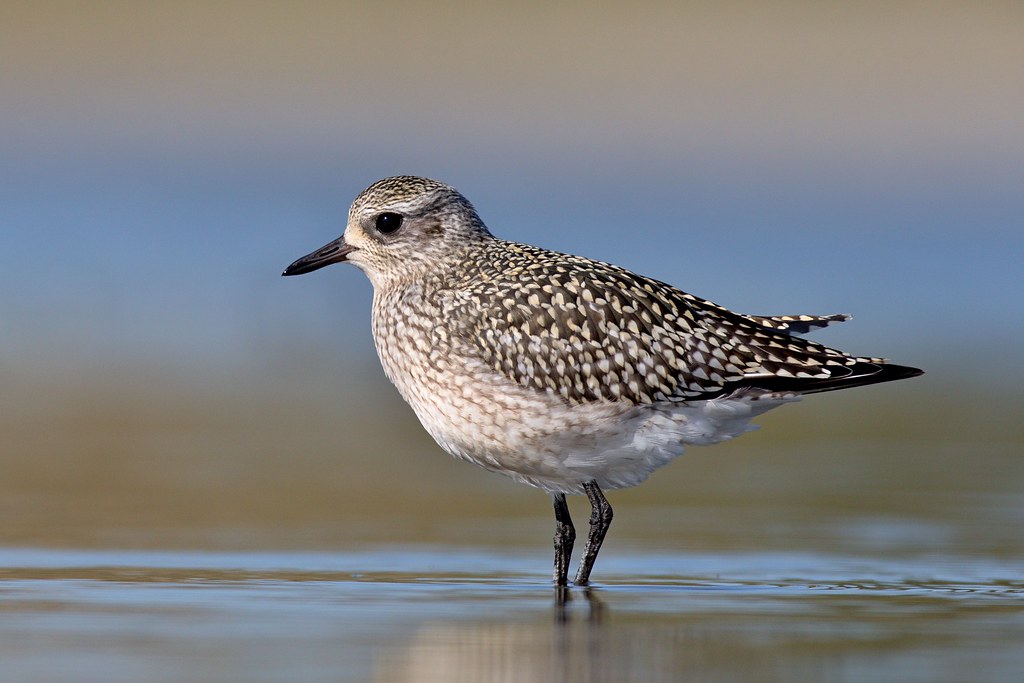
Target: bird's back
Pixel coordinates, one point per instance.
(589, 331)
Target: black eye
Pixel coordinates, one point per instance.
(387, 222)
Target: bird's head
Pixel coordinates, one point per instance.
(400, 228)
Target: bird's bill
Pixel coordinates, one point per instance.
(335, 252)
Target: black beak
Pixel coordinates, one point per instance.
(335, 252)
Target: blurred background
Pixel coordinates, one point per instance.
(161, 162)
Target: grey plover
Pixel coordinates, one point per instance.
(562, 372)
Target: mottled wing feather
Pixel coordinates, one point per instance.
(589, 331)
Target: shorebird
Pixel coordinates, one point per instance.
(562, 372)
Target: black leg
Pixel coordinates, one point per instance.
(565, 536)
(600, 520)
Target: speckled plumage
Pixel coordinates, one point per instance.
(559, 370)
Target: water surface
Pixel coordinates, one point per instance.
(425, 613)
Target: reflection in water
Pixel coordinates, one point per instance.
(739, 632)
(581, 643)
(563, 600)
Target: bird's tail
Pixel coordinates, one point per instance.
(861, 373)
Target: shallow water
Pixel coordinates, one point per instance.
(451, 614)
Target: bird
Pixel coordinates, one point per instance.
(566, 373)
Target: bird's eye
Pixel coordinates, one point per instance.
(387, 222)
